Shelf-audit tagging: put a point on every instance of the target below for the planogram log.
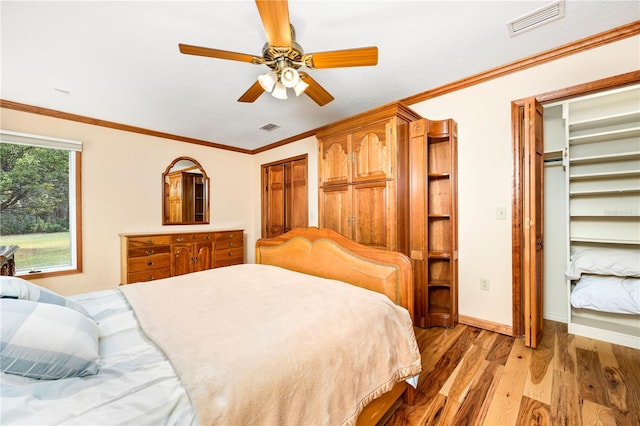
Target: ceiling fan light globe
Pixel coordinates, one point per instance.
(268, 80)
(289, 77)
(300, 87)
(279, 91)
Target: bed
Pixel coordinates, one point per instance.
(283, 341)
(604, 285)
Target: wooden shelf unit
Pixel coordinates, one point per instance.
(433, 216)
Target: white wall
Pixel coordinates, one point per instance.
(485, 165)
(122, 191)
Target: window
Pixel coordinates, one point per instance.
(40, 203)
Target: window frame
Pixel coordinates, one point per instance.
(75, 196)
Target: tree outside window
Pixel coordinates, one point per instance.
(37, 203)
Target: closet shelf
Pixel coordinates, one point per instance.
(617, 173)
(631, 155)
(619, 191)
(604, 241)
(606, 121)
(606, 136)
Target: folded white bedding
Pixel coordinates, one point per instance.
(607, 293)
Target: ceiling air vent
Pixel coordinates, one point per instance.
(536, 18)
(269, 127)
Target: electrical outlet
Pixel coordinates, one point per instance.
(484, 284)
(501, 213)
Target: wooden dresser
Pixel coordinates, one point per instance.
(151, 256)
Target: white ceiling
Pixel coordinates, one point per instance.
(119, 60)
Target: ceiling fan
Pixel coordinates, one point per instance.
(284, 56)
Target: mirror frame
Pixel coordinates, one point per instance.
(165, 194)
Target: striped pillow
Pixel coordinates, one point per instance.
(46, 341)
(18, 288)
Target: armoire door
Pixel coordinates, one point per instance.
(369, 223)
(335, 209)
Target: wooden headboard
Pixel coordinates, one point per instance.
(325, 253)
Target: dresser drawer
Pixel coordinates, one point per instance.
(149, 251)
(149, 240)
(226, 257)
(155, 274)
(230, 240)
(229, 235)
(156, 261)
(192, 238)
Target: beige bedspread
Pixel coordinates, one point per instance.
(260, 345)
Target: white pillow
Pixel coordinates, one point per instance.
(18, 288)
(604, 261)
(46, 341)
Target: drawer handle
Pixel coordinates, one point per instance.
(150, 263)
(180, 239)
(230, 254)
(208, 237)
(229, 244)
(150, 278)
(194, 237)
(230, 236)
(149, 252)
(150, 242)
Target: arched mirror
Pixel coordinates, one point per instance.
(185, 193)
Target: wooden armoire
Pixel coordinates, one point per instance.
(381, 186)
(363, 177)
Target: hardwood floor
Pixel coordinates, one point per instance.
(477, 377)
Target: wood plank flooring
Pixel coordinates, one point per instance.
(476, 377)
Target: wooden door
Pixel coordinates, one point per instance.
(275, 195)
(285, 199)
(369, 215)
(296, 195)
(335, 209)
(533, 221)
(181, 259)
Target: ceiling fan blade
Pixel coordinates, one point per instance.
(220, 54)
(252, 94)
(315, 91)
(275, 20)
(358, 57)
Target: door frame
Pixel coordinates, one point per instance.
(517, 200)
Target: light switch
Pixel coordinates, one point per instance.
(502, 213)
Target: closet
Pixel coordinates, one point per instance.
(284, 196)
(601, 161)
